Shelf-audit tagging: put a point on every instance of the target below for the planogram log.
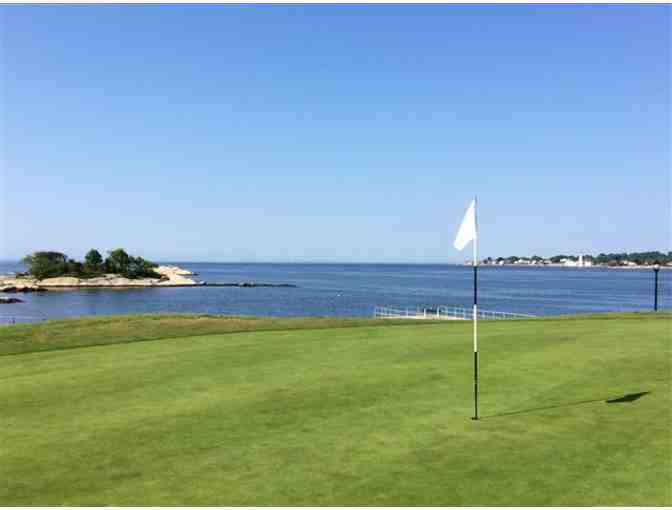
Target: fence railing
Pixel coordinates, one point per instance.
(19, 319)
(443, 312)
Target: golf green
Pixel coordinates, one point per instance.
(197, 410)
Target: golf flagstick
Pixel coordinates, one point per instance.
(469, 233)
(475, 314)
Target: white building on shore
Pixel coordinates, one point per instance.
(577, 263)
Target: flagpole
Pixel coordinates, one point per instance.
(468, 233)
(475, 265)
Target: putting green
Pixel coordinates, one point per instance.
(213, 411)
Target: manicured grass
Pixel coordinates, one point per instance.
(67, 334)
(329, 412)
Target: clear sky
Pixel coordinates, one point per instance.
(334, 133)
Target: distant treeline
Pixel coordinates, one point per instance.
(644, 258)
(50, 264)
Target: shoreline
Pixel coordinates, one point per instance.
(561, 266)
(168, 276)
(242, 285)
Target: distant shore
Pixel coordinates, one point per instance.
(566, 267)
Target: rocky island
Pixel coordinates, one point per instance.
(167, 276)
(54, 270)
(51, 269)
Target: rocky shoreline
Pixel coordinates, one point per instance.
(170, 276)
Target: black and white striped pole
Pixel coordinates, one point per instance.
(467, 233)
(475, 314)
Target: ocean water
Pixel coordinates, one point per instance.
(354, 290)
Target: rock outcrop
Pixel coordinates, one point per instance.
(164, 270)
(9, 300)
(174, 275)
(11, 283)
(20, 287)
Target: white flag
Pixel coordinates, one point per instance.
(468, 231)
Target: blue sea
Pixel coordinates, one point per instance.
(355, 289)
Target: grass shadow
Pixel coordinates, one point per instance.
(630, 397)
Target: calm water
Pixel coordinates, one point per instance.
(354, 289)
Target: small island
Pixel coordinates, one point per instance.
(51, 269)
(54, 270)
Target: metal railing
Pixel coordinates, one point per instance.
(19, 319)
(443, 313)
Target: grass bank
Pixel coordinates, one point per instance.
(89, 331)
(247, 411)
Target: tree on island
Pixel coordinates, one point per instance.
(141, 268)
(51, 264)
(93, 262)
(46, 264)
(117, 261)
(120, 262)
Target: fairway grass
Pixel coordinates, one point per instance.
(199, 410)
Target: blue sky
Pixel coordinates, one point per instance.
(334, 133)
